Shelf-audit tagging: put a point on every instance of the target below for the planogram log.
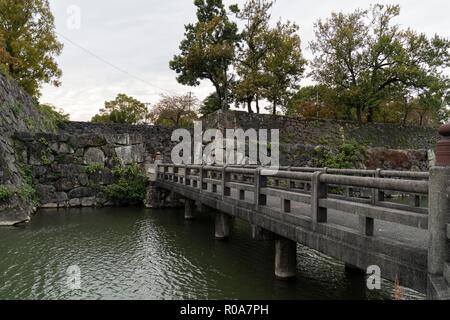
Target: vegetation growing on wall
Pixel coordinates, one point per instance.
(6, 192)
(130, 186)
(51, 116)
(347, 155)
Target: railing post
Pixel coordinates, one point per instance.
(378, 195)
(318, 191)
(175, 174)
(226, 177)
(203, 186)
(260, 182)
(439, 217)
(166, 171)
(187, 172)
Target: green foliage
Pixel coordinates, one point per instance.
(25, 191)
(211, 104)
(6, 192)
(46, 152)
(369, 61)
(28, 43)
(252, 51)
(208, 49)
(345, 157)
(283, 65)
(124, 109)
(130, 187)
(94, 168)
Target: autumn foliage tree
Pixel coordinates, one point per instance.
(28, 44)
(176, 111)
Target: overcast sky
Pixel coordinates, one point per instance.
(131, 42)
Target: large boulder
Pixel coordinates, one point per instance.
(131, 154)
(94, 156)
(82, 192)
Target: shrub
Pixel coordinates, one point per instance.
(345, 158)
(130, 187)
(94, 168)
(6, 192)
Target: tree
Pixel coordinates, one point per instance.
(212, 103)
(252, 51)
(283, 65)
(208, 49)
(175, 111)
(28, 30)
(368, 59)
(5, 57)
(123, 109)
(316, 102)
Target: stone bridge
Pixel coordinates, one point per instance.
(347, 214)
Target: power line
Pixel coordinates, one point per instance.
(112, 65)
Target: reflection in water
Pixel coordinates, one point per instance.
(133, 253)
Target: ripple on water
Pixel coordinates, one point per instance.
(142, 254)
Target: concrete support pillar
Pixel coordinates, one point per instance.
(189, 207)
(222, 226)
(285, 259)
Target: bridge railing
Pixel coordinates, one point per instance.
(316, 201)
(320, 188)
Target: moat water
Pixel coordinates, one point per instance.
(134, 253)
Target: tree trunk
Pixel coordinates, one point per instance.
(274, 112)
(249, 105)
(370, 115)
(257, 104)
(359, 114)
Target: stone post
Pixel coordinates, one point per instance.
(285, 259)
(438, 218)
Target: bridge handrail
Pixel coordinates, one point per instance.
(357, 172)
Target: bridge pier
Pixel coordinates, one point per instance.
(189, 207)
(285, 259)
(222, 226)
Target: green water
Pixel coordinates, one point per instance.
(133, 253)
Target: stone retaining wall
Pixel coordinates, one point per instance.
(69, 169)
